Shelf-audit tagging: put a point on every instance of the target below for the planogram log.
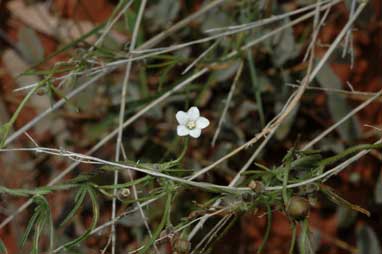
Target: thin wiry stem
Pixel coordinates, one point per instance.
(240, 29)
(233, 53)
(211, 234)
(111, 23)
(228, 101)
(316, 32)
(337, 91)
(349, 36)
(158, 38)
(120, 166)
(121, 119)
(54, 107)
(338, 123)
(139, 205)
(200, 57)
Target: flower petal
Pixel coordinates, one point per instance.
(181, 117)
(202, 122)
(195, 133)
(181, 130)
(193, 113)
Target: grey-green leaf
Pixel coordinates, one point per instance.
(338, 107)
(30, 45)
(367, 241)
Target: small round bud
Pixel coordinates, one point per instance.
(182, 246)
(41, 91)
(256, 186)
(123, 194)
(298, 208)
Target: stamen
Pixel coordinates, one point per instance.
(191, 125)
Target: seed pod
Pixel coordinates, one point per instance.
(298, 208)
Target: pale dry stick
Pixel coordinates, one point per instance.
(247, 26)
(228, 101)
(121, 119)
(87, 159)
(315, 34)
(281, 28)
(181, 228)
(349, 36)
(135, 196)
(236, 27)
(200, 57)
(232, 54)
(109, 137)
(108, 224)
(57, 105)
(279, 119)
(110, 25)
(212, 233)
(157, 39)
(344, 119)
(335, 90)
(135, 209)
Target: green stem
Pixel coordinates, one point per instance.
(293, 240)
(304, 236)
(7, 126)
(256, 88)
(267, 230)
(161, 224)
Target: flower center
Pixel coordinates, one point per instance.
(191, 125)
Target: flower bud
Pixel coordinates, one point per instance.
(298, 208)
(256, 186)
(182, 246)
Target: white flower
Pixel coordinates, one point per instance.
(191, 123)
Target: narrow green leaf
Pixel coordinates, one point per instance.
(162, 224)
(335, 198)
(267, 230)
(78, 200)
(4, 131)
(29, 228)
(378, 190)
(95, 209)
(3, 248)
(256, 87)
